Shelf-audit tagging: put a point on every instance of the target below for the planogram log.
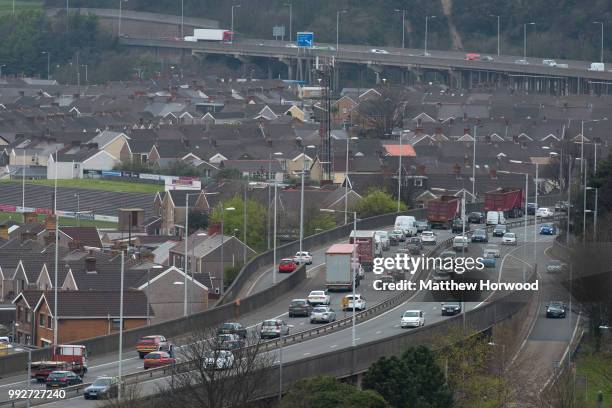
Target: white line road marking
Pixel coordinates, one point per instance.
(333, 346)
(306, 354)
(378, 332)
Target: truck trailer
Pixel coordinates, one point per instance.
(510, 201)
(366, 247)
(211, 34)
(442, 211)
(339, 267)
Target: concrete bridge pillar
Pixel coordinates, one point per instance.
(377, 69)
(289, 64)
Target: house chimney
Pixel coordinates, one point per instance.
(90, 264)
(466, 131)
(457, 169)
(4, 232)
(214, 228)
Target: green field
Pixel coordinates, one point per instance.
(6, 6)
(104, 185)
(63, 221)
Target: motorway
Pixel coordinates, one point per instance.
(393, 57)
(509, 268)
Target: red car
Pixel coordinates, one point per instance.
(287, 265)
(158, 359)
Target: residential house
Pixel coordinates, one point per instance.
(171, 206)
(114, 143)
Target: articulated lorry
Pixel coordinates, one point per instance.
(442, 211)
(210, 34)
(339, 260)
(510, 201)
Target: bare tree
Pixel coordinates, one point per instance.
(212, 379)
(382, 113)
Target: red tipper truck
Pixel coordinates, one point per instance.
(366, 247)
(511, 201)
(65, 357)
(442, 211)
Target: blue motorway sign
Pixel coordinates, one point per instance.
(305, 39)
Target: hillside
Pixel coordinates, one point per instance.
(374, 22)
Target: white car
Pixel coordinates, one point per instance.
(521, 62)
(544, 212)
(219, 359)
(359, 303)
(549, 62)
(291, 45)
(273, 328)
(509, 238)
(383, 238)
(428, 238)
(322, 314)
(303, 257)
(413, 318)
(378, 51)
(319, 297)
(491, 251)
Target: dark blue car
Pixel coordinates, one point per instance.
(548, 229)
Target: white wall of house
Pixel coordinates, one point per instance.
(100, 161)
(64, 171)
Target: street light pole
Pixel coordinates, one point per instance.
(498, 37)
(602, 39)
(596, 193)
(474, 167)
(55, 320)
(121, 325)
(399, 175)
(290, 5)
(346, 170)
(338, 28)
(302, 195)
(403, 26)
(525, 39)
(182, 19)
(233, 7)
(426, 24)
(48, 62)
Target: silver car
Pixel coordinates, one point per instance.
(322, 314)
(491, 251)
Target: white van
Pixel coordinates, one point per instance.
(406, 223)
(495, 218)
(597, 66)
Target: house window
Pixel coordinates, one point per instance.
(18, 313)
(28, 317)
(41, 320)
(49, 322)
(115, 324)
(418, 182)
(28, 339)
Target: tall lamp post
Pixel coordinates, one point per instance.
(290, 5)
(354, 267)
(403, 11)
(274, 267)
(1, 66)
(119, 23)
(48, 63)
(602, 39)
(234, 6)
(223, 210)
(525, 39)
(498, 36)
(182, 19)
(526, 204)
(302, 195)
(346, 170)
(338, 28)
(185, 258)
(535, 221)
(426, 24)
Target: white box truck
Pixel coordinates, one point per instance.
(212, 34)
(597, 66)
(339, 260)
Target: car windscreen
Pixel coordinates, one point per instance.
(100, 382)
(411, 314)
(298, 303)
(270, 323)
(319, 310)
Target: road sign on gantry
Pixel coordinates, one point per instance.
(305, 39)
